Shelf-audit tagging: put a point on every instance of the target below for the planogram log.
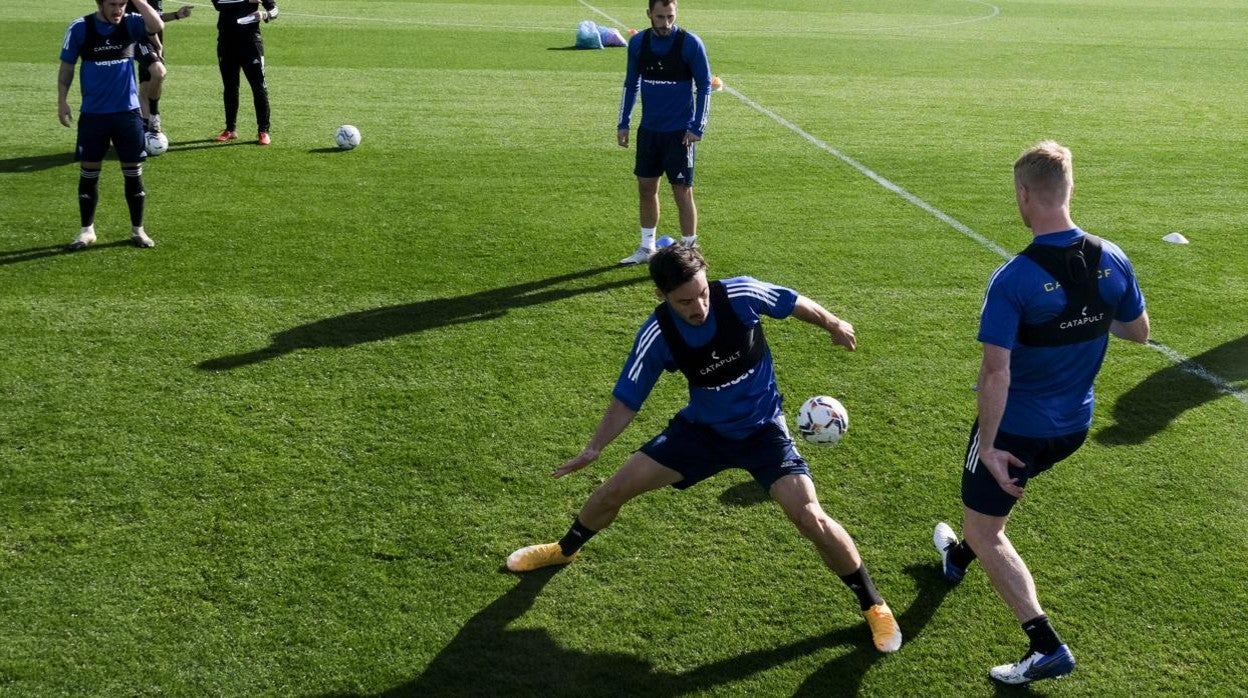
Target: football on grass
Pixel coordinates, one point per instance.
(822, 420)
(347, 136)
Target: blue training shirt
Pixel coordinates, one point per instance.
(668, 106)
(1051, 387)
(107, 87)
(736, 409)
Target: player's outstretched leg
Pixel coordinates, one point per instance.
(795, 493)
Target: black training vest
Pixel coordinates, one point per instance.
(670, 67)
(1077, 268)
(731, 353)
(99, 48)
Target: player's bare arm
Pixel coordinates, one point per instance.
(617, 417)
(64, 80)
(993, 390)
(841, 332)
(151, 18)
(1135, 331)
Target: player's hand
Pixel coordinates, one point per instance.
(65, 114)
(690, 138)
(998, 463)
(576, 462)
(621, 137)
(184, 11)
(842, 334)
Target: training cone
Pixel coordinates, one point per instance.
(632, 32)
(1176, 238)
(664, 241)
(716, 83)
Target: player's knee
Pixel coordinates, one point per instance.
(815, 524)
(982, 535)
(648, 186)
(158, 72)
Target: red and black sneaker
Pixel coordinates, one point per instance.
(226, 135)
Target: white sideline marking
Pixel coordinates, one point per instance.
(1183, 362)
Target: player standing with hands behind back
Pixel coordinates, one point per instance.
(665, 63)
(1045, 327)
(240, 47)
(105, 41)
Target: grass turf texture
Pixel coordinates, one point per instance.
(287, 451)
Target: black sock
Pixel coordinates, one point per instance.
(859, 582)
(576, 536)
(153, 106)
(961, 555)
(88, 195)
(135, 194)
(1043, 637)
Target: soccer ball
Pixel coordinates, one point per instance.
(155, 144)
(347, 137)
(822, 420)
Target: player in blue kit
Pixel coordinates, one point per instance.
(109, 115)
(1045, 327)
(713, 334)
(665, 63)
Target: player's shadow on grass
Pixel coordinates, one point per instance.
(36, 163)
(205, 143)
(397, 320)
(1158, 400)
(32, 253)
(331, 149)
(487, 657)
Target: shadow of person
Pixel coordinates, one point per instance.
(36, 163)
(377, 324)
(844, 675)
(33, 253)
(1158, 400)
(488, 658)
(745, 494)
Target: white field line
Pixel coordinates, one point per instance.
(1183, 362)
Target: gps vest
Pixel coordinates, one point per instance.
(99, 48)
(731, 353)
(1086, 316)
(670, 67)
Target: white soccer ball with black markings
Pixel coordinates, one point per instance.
(347, 136)
(822, 420)
(155, 144)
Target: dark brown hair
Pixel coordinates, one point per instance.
(674, 265)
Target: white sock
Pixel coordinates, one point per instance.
(689, 240)
(136, 231)
(647, 237)
(87, 230)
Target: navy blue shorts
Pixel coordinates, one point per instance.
(147, 55)
(698, 452)
(660, 152)
(980, 491)
(124, 130)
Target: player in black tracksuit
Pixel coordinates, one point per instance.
(239, 46)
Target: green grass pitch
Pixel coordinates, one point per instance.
(287, 451)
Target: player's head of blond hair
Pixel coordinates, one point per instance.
(1046, 171)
